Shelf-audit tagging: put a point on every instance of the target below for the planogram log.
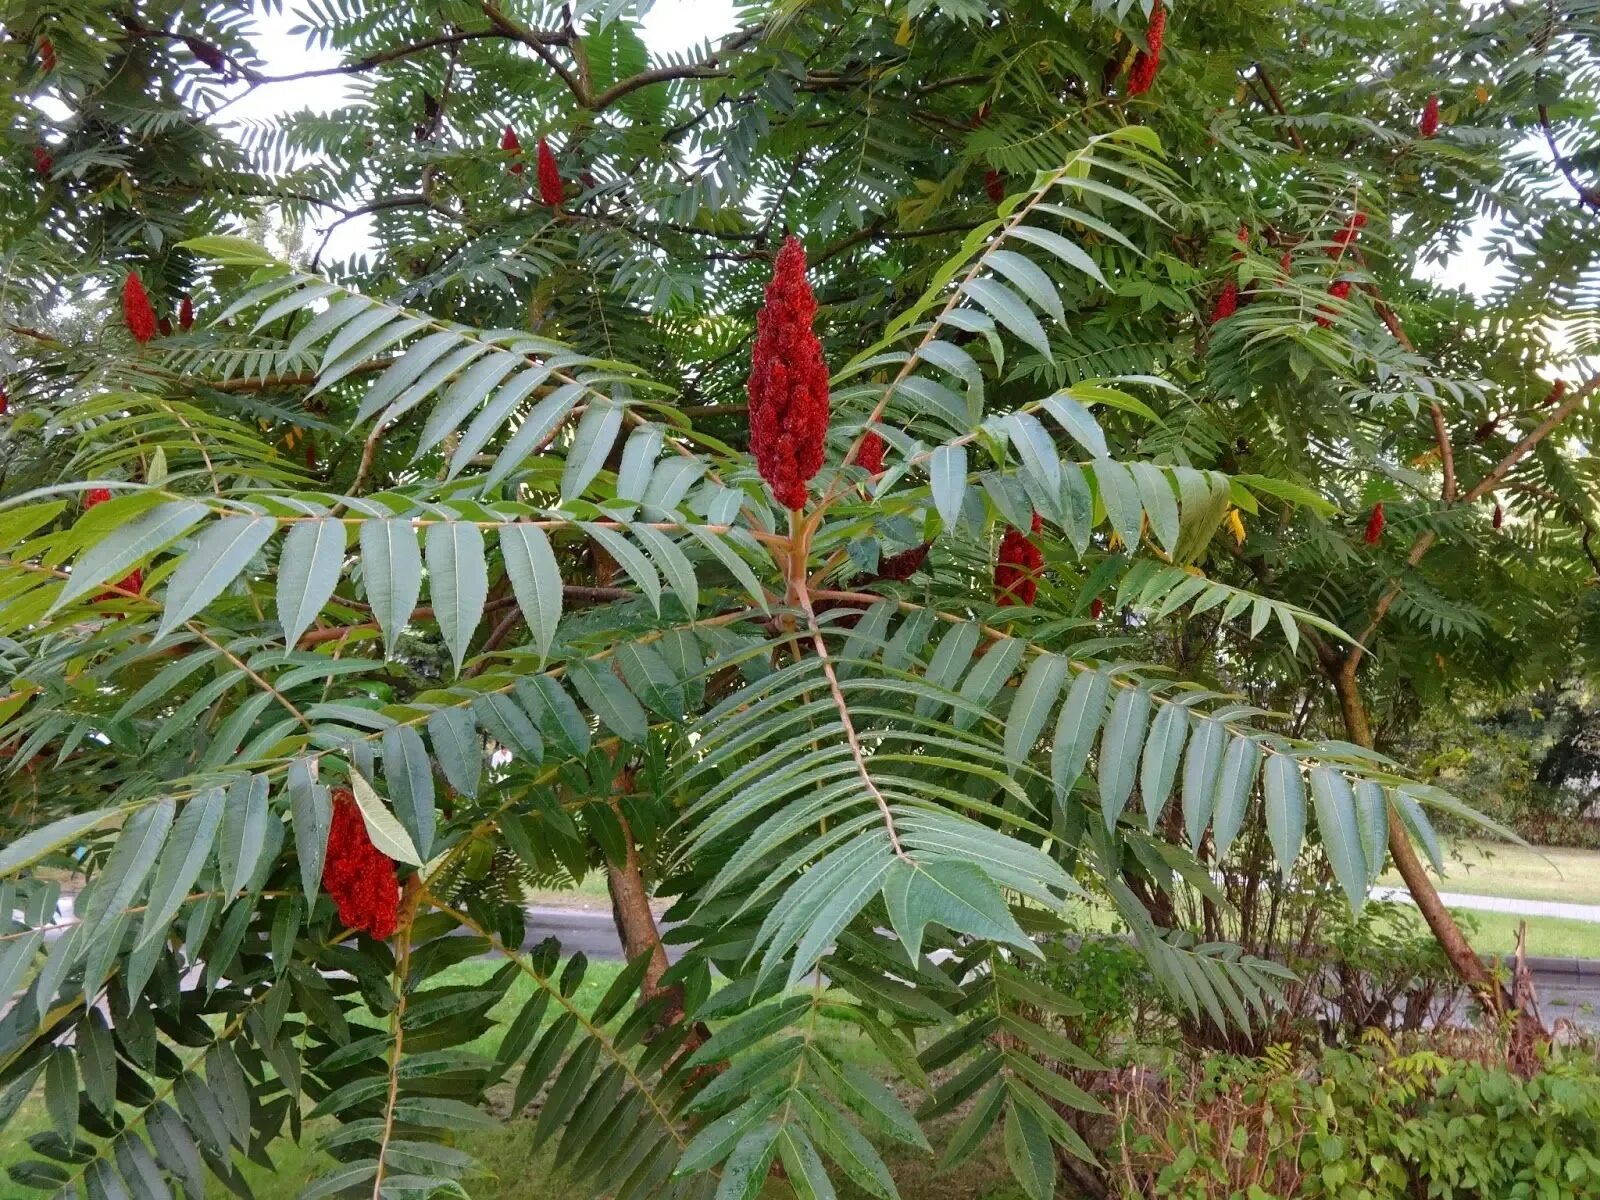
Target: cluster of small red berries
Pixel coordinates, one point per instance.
(551, 190)
(1228, 298)
(133, 584)
(360, 877)
(47, 55)
(869, 455)
(1143, 72)
(1429, 125)
(140, 315)
(1017, 567)
(788, 385)
(1375, 524)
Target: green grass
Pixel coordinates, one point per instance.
(1506, 869)
(1496, 933)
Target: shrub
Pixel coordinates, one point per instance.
(1382, 1121)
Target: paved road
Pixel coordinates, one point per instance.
(1563, 993)
(1505, 904)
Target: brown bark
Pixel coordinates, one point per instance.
(1358, 729)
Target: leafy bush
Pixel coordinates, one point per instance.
(1373, 1123)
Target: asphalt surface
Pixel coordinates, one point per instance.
(1566, 989)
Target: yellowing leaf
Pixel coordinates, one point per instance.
(902, 36)
(1235, 524)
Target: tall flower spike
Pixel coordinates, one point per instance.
(513, 147)
(358, 875)
(549, 176)
(1143, 72)
(1429, 125)
(1017, 567)
(788, 384)
(869, 455)
(1375, 524)
(136, 310)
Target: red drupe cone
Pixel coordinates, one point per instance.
(1016, 569)
(1143, 72)
(1097, 609)
(995, 184)
(904, 565)
(43, 161)
(1347, 233)
(359, 877)
(1339, 289)
(1375, 525)
(1556, 393)
(134, 581)
(513, 147)
(47, 55)
(1499, 516)
(788, 384)
(136, 310)
(186, 314)
(1429, 125)
(869, 455)
(5, 402)
(549, 176)
(1227, 302)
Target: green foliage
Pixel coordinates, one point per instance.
(469, 525)
(1380, 1122)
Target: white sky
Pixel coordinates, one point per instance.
(672, 25)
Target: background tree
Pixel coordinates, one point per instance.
(804, 728)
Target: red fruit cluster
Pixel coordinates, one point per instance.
(43, 162)
(995, 184)
(1499, 516)
(1375, 525)
(1556, 393)
(358, 875)
(1016, 570)
(869, 455)
(1097, 608)
(136, 310)
(186, 313)
(1143, 72)
(1429, 125)
(1227, 302)
(134, 582)
(904, 565)
(5, 402)
(1339, 289)
(47, 54)
(1286, 263)
(513, 147)
(1347, 234)
(549, 176)
(788, 385)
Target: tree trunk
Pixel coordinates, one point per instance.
(1458, 950)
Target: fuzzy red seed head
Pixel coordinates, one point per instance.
(5, 402)
(1286, 263)
(1037, 524)
(995, 184)
(1375, 525)
(513, 147)
(549, 176)
(136, 310)
(43, 162)
(358, 876)
(1227, 302)
(869, 455)
(95, 496)
(47, 55)
(1429, 125)
(1143, 72)
(1556, 393)
(788, 385)
(1346, 234)
(1499, 516)
(1017, 567)
(1244, 235)
(1339, 289)
(186, 313)
(1097, 609)
(165, 325)
(904, 565)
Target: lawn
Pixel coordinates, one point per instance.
(1506, 869)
